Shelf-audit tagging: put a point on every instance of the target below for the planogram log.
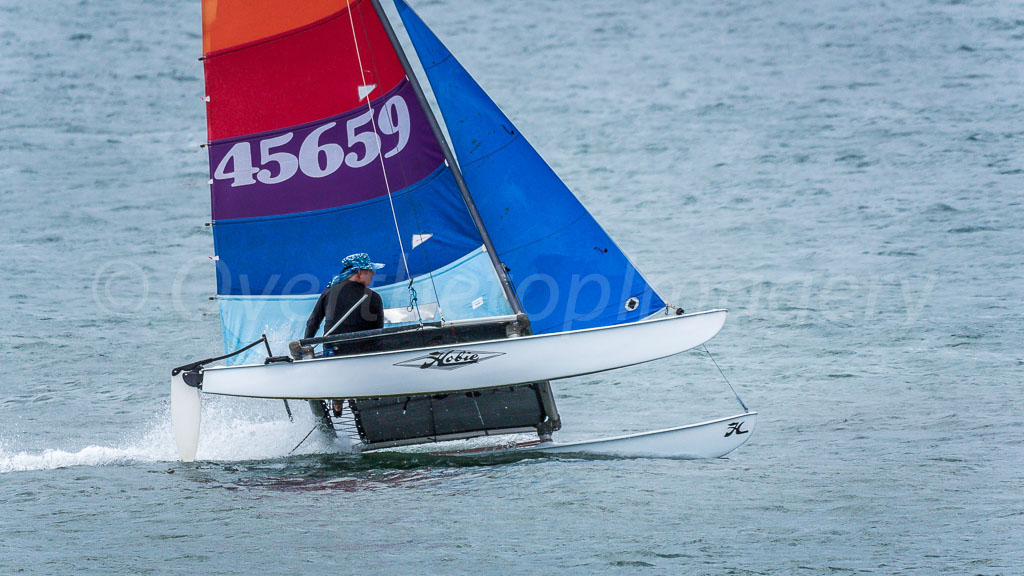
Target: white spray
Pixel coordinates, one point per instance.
(232, 431)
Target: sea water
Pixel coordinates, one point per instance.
(845, 177)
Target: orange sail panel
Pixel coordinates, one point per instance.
(303, 75)
(230, 23)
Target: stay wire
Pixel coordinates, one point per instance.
(303, 439)
(738, 399)
(412, 208)
(383, 169)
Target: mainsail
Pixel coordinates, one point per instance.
(567, 271)
(319, 148)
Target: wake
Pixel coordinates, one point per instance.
(229, 433)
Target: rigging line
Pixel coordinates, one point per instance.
(453, 165)
(426, 258)
(414, 301)
(705, 347)
(380, 155)
(304, 438)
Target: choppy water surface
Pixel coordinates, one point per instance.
(845, 177)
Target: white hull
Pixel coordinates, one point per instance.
(481, 364)
(447, 369)
(185, 413)
(712, 439)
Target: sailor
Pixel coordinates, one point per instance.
(342, 294)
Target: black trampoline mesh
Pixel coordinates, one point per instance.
(427, 416)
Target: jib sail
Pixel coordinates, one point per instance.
(568, 273)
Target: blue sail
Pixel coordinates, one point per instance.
(567, 271)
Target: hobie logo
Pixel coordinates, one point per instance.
(736, 428)
(449, 359)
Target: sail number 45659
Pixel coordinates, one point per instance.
(318, 159)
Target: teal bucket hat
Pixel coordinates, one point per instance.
(354, 263)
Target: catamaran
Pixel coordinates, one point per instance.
(497, 280)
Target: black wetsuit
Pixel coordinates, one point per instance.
(338, 299)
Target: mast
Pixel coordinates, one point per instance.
(499, 267)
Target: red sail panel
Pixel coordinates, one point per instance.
(300, 76)
(230, 23)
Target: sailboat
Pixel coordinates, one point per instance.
(497, 281)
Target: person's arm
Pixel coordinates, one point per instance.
(316, 317)
(377, 309)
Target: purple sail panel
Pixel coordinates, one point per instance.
(325, 164)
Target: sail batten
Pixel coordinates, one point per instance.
(284, 32)
(231, 23)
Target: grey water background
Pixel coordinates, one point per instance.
(846, 177)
